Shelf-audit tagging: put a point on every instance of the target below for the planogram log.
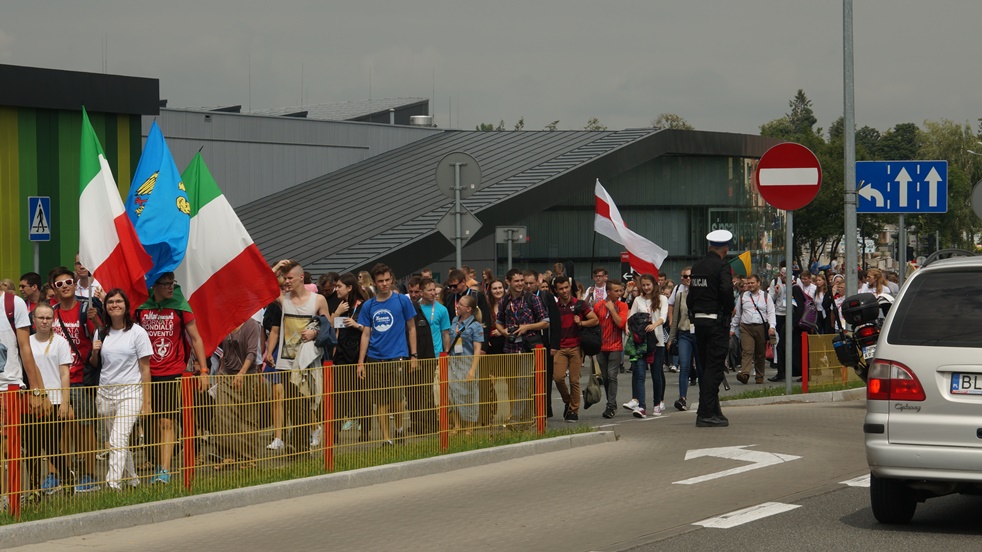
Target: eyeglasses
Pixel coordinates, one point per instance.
(684, 276)
(62, 283)
(165, 284)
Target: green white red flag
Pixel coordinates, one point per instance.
(224, 277)
(108, 244)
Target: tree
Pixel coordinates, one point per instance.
(553, 125)
(594, 124)
(801, 118)
(485, 127)
(520, 125)
(899, 143)
(501, 125)
(671, 120)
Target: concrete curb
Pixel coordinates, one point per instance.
(45, 530)
(831, 396)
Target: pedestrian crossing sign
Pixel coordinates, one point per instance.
(39, 218)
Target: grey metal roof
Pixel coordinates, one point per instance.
(386, 207)
(343, 111)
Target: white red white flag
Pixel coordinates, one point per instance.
(645, 255)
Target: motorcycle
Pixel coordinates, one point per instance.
(856, 348)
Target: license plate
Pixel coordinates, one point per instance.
(966, 384)
(869, 352)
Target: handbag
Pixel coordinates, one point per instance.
(673, 349)
(769, 350)
(593, 394)
(591, 340)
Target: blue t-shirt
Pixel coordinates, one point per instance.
(439, 318)
(387, 319)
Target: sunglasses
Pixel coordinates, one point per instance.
(684, 276)
(62, 283)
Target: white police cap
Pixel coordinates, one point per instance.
(719, 237)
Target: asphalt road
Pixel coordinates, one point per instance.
(615, 496)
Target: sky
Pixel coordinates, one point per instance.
(723, 65)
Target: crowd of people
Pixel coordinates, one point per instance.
(99, 370)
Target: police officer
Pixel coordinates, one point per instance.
(710, 304)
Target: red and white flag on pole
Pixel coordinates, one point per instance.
(645, 255)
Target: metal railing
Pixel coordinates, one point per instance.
(137, 443)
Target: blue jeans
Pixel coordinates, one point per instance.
(657, 379)
(687, 348)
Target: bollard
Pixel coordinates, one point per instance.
(804, 362)
(540, 389)
(328, 427)
(444, 363)
(187, 427)
(12, 398)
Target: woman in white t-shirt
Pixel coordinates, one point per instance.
(124, 357)
(53, 356)
(655, 304)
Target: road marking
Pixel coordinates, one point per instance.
(605, 425)
(758, 459)
(746, 515)
(862, 481)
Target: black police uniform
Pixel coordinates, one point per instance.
(710, 304)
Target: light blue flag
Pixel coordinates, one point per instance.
(158, 206)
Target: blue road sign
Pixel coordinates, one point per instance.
(39, 218)
(902, 186)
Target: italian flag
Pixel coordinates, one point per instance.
(108, 244)
(223, 275)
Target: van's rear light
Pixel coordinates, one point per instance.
(892, 381)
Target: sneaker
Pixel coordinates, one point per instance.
(656, 411)
(609, 413)
(315, 437)
(673, 369)
(161, 477)
(661, 405)
(347, 425)
(388, 443)
(87, 484)
(277, 444)
(51, 484)
(631, 404)
(572, 417)
(680, 404)
(639, 412)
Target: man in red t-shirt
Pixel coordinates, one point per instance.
(166, 321)
(612, 313)
(77, 321)
(574, 314)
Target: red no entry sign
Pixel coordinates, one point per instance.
(788, 176)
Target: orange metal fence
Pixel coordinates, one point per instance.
(174, 438)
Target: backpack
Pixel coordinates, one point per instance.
(809, 316)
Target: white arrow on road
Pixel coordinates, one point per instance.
(757, 459)
(903, 178)
(933, 178)
(870, 193)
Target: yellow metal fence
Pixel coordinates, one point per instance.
(823, 367)
(191, 435)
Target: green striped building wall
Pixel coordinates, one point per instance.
(39, 151)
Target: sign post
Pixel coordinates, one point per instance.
(788, 177)
(510, 235)
(39, 228)
(458, 175)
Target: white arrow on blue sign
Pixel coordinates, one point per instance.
(902, 186)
